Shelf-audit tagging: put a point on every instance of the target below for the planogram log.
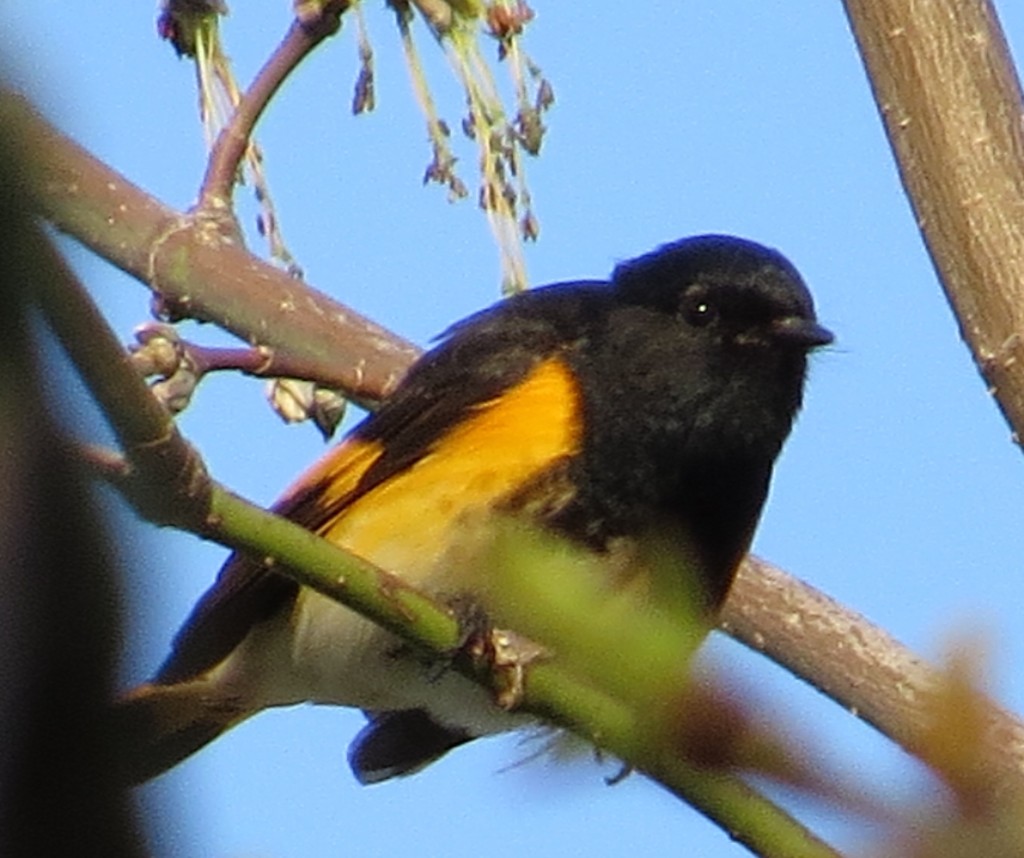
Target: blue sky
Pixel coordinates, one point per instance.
(900, 493)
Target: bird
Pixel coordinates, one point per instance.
(651, 405)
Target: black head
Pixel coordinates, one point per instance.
(692, 381)
(716, 330)
(737, 291)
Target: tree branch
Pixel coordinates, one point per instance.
(198, 273)
(304, 34)
(948, 94)
(858, 665)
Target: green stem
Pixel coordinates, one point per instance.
(168, 482)
(550, 691)
(316, 563)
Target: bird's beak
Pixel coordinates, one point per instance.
(799, 331)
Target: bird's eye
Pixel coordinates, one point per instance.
(699, 311)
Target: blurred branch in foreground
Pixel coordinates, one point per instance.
(59, 600)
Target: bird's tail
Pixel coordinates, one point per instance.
(158, 726)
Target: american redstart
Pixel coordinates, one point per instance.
(609, 413)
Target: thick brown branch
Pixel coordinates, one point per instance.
(855, 663)
(946, 88)
(200, 273)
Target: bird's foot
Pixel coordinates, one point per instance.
(502, 654)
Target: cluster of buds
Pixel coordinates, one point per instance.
(501, 135)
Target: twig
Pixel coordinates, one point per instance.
(161, 351)
(946, 89)
(260, 363)
(304, 34)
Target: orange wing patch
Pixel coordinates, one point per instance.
(411, 521)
